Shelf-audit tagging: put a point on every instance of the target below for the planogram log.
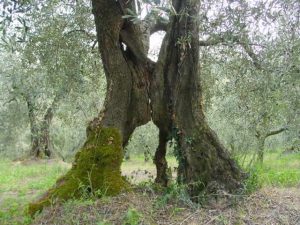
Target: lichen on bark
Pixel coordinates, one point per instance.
(96, 169)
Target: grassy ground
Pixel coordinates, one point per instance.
(278, 202)
(21, 182)
(278, 170)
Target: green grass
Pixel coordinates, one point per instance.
(279, 170)
(20, 183)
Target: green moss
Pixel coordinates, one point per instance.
(96, 169)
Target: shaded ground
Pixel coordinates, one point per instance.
(267, 206)
(137, 170)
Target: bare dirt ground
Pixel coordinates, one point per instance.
(266, 206)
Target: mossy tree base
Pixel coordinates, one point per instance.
(96, 170)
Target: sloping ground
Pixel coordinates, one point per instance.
(23, 181)
(266, 206)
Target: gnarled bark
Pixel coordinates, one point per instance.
(97, 165)
(176, 99)
(167, 92)
(175, 96)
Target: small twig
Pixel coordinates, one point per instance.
(188, 217)
(212, 220)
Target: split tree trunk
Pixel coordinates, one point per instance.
(176, 98)
(168, 92)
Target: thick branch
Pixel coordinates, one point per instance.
(131, 39)
(154, 22)
(90, 36)
(234, 39)
(219, 40)
(131, 43)
(252, 55)
(9, 101)
(274, 132)
(50, 111)
(161, 24)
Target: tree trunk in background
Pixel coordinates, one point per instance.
(40, 130)
(45, 138)
(45, 141)
(138, 90)
(260, 149)
(261, 139)
(41, 145)
(34, 130)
